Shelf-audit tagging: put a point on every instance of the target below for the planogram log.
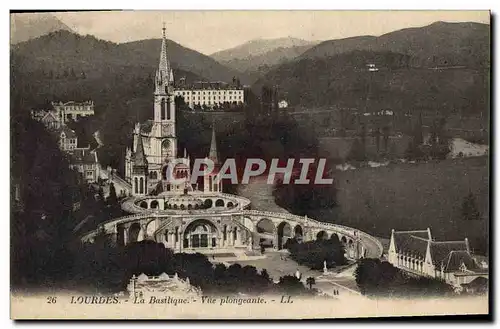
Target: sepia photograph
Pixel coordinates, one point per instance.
(249, 165)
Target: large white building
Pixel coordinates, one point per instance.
(155, 143)
(416, 252)
(73, 110)
(211, 94)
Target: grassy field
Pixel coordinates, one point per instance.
(414, 196)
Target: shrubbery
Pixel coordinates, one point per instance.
(314, 253)
(381, 279)
(109, 267)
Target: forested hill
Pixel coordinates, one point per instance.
(66, 66)
(344, 81)
(441, 67)
(438, 44)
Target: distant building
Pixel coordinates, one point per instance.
(61, 113)
(85, 161)
(283, 104)
(210, 94)
(417, 253)
(161, 286)
(73, 110)
(67, 139)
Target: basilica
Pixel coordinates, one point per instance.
(155, 145)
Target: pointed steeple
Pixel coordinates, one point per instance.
(164, 64)
(140, 157)
(213, 155)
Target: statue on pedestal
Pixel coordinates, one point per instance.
(325, 269)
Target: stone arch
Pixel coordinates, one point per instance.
(219, 203)
(134, 232)
(298, 231)
(322, 235)
(343, 240)
(136, 186)
(120, 235)
(154, 204)
(150, 228)
(230, 204)
(267, 227)
(200, 233)
(208, 203)
(144, 205)
(335, 237)
(284, 233)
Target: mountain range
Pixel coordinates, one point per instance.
(256, 57)
(442, 67)
(450, 60)
(465, 43)
(26, 26)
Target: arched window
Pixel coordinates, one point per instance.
(162, 109)
(168, 110)
(136, 186)
(141, 186)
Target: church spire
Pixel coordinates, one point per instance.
(140, 157)
(164, 64)
(213, 155)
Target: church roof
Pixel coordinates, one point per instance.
(140, 156)
(456, 258)
(412, 242)
(440, 251)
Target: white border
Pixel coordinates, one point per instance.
(192, 4)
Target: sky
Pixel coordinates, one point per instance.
(212, 31)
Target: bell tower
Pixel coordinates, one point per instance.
(164, 105)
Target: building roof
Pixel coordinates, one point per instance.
(440, 251)
(70, 103)
(84, 156)
(140, 156)
(51, 115)
(67, 131)
(412, 242)
(206, 85)
(455, 260)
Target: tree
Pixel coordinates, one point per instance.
(112, 198)
(310, 281)
(100, 193)
(469, 208)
